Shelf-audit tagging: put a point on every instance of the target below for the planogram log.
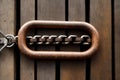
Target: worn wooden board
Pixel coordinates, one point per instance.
(117, 38)
(49, 10)
(73, 70)
(100, 17)
(101, 66)
(27, 13)
(7, 25)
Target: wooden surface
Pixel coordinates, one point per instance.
(100, 17)
(103, 14)
(46, 70)
(7, 25)
(73, 70)
(117, 38)
(27, 12)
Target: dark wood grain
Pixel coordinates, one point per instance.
(117, 38)
(49, 10)
(74, 70)
(26, 64)
(100, 17)
(7, 26)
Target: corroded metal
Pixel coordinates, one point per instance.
(60, 25)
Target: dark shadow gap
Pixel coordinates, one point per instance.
(35, 31)
(113, 40)
(16, 50)
(66, 13)
(87, 11)
(88, 62)
(57, 67)
(36, 10)
(35, 69)
(66, 10)
(87, 19)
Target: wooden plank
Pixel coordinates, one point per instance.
(26, 64)
(117, 38)
(49, 10)
(7, 25)
(74, 70)
(100, 17)
(76, 10)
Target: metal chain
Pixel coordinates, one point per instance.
(58, 39)
(9, 40)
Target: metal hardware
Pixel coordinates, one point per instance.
(85, 40)
(36, 39)
(51, 39)
(72, 39)
(7, 40)
(3, 41)
(55, 39)
(10, 40)
(61, 39)
(92, 39)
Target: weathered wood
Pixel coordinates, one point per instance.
(117, 38)
(100, 17)
(26, 64)
(76, 10)
(49, 10)
(74, 70)
(7, 25)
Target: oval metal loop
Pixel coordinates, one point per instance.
(61, 25)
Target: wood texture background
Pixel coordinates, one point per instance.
(7, 25)
(101, 68)
(27, 12)
(103, 14)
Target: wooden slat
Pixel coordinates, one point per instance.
(7, 25)
(76, 10)
(100, 17)
(49, 10)
(74, 70)
(26, 64)
(117, 38)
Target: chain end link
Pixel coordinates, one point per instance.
(7, 40)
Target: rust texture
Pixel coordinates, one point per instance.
(60, 25)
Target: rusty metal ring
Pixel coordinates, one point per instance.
(57, 54)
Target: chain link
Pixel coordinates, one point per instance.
(50, 39)
(9, 40)
(58, 39)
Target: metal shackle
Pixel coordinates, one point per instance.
(60, 25)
